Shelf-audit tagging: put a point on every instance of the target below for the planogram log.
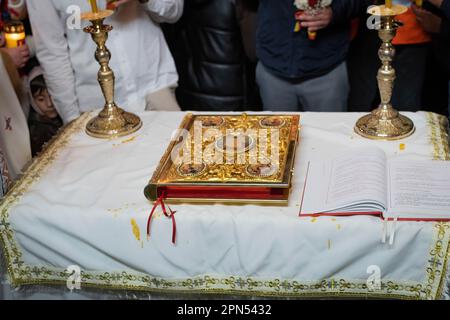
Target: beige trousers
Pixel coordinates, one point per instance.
(162, 100)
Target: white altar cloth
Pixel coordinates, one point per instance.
(81, 203)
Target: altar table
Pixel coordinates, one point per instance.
(81, 203)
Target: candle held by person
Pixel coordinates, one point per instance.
(14, 34)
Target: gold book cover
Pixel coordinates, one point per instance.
(232, 158)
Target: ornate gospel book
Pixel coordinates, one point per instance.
(230, 158)
(365, 182)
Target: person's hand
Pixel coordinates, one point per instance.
(19, 55)
(430, 22)
(315, 22)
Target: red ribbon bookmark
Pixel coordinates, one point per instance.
(170, 215)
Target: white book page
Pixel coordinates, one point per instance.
(419, 189)
(354, 182)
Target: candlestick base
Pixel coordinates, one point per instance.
(385, 123)
(114, 124)
(112, 121)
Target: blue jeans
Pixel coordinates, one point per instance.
(328, 93)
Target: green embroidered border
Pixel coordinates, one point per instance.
(22, 274)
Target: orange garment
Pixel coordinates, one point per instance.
(411, 32)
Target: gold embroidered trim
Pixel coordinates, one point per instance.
(437, 264)
(22, 274)
(438, 125)
(228, 285)
(440, 252)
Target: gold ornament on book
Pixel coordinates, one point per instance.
(228, 158)
(112, 121)
(386, 123)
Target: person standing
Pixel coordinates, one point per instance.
(144, 68)
(208, 46)
(44, 121)
(412, 44)
(302, 54)
(438, 24)
(14, 135)
(15, 10)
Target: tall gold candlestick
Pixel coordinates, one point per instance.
(112, 121)
(385, 123)
(388, 4)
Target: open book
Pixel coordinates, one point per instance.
(365, 182)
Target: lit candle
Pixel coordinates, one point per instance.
(388, 3)
(14, 34)
(94, 6)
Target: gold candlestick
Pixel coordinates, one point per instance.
(385, 123)
(112, 121)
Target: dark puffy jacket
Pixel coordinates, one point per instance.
(206, 43)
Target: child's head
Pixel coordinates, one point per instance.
(41, 99)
